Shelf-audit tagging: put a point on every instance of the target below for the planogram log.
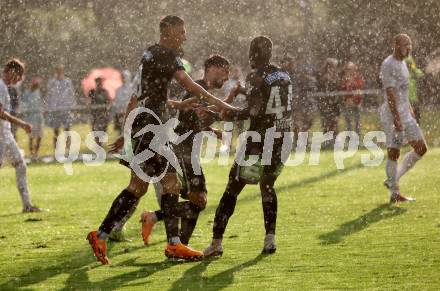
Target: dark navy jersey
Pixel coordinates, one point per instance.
(157, 68)
(269, 96)
(188, 120)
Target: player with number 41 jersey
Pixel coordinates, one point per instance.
(269, 98)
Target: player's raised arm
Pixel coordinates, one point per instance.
(185, 80)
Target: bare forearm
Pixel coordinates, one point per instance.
(132, 104)
(12, 119)
(172, 104)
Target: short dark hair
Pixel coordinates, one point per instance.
(261, 48)
(170, 21)
(15, 66)
(216, 61)
(399, 37)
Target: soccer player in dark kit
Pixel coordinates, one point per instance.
(159, 65)
(194, 191)
(269, 96)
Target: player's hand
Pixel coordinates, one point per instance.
(189, 104)
(224, 114)
(27, 127)
(237, 89)
(231, 108)
(116, 146)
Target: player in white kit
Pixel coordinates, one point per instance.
(398, 119)
(13, 73)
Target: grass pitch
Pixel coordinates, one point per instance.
(335, 230)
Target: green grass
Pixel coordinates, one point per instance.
(369, 122)
(334, 231)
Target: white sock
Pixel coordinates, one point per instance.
(407, 163)
(391, 171)
(21, 180)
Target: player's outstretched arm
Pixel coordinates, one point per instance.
(238, 89)
(17, 121)
(184, 105)
(195, 89)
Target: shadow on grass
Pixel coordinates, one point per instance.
(193, 278)
(319, 178)
(384, 211)
(294, 185)
(142, 272)
(75, 265)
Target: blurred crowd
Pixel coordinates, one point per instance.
(329, 92)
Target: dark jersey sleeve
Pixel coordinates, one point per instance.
(254, 99)
(172, 64)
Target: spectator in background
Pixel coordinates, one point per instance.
(234, 82)
(328, 105)
(15, 106)
(303, 81)
(414, 75)
(352, 80)
(99, 97)
(123, 95)
(60, 97)
(32, 108)
(306, 84)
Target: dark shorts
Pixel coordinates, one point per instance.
(191, 181)
(154, 166)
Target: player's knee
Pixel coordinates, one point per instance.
(421, 150)
(200, 199)
(171, 184)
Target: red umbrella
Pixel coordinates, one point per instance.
(112, 80)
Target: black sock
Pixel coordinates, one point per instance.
(169, 207)
(119, 209)
(226, 207)
(189, 214)
(119, 226)
(159, 215)
(270, 204)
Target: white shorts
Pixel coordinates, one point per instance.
(9, 149)
(411, 131)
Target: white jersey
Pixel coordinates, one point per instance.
(5, 101)
(394, 73)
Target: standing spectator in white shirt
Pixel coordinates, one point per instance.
(60, 98)
(32, 107)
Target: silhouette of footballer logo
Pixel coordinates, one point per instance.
(160, 144)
